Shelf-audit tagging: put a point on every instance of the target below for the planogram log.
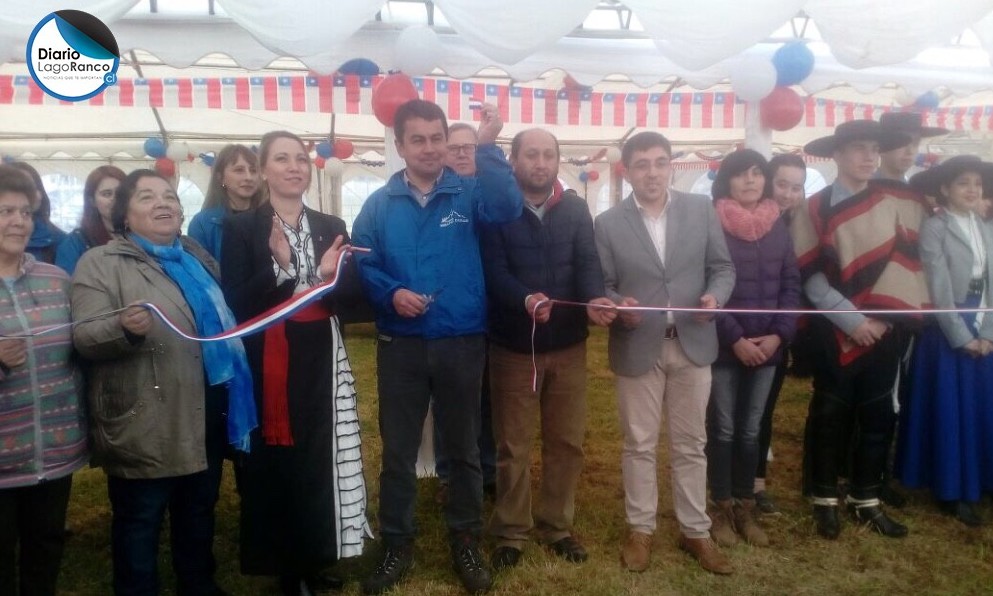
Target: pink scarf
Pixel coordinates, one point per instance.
(747, 224)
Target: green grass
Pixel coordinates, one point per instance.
(940, 556)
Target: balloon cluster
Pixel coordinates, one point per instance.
(588, 176)
(342, 149)
(768, 82)
(925, 160)
(157, 149)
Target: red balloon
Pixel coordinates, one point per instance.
(391, 93)
(593, 175)
(782, 109)
(165, 167)
(320, 162)
(619, 168)
(714, 165)
(343, 149)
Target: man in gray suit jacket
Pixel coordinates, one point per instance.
(659, 248)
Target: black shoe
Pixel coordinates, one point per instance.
(962, 511)
(765, 503)
(397, 561)
(875, 518)
(324, 582)
(828, 524)
(504, 557)
(468, 564)
(569, 549)
(889, 495)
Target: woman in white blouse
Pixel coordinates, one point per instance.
(946, 432)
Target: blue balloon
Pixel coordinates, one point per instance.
(325, 150)
(9, 159)
(207, 159)
(929, 100)
(584, 176)
(794, 62)
(155, 147)
(359, 66)
(919, 160)
(711, 175)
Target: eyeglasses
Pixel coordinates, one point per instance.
(467, 148)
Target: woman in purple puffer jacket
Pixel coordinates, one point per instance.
(751, 345)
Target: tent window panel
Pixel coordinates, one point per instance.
(603, 197)
(353, 196)
(66, 195)
(190, 197)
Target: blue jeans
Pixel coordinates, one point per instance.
(139, 506)
(738, 396)
(412, 370)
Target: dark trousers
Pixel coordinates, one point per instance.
(139, 505)
(487, 446)
(412, 370)
(33, 517)
(765, 429)
(860, 393)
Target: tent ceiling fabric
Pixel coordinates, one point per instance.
(527, 38)
(714, 30)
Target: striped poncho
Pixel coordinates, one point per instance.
(866, 246)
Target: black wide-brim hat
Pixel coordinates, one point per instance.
(932, 179)
(857, 130)
(910, 123)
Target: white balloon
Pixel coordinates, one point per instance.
(177, 151)
(753, 77)
(417, 51)
(334, 166)
(613, 154)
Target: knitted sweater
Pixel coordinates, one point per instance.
(42, 420)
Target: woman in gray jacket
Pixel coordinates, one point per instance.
(157, 401)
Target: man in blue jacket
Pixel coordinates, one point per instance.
(424, 277)
(547, 252)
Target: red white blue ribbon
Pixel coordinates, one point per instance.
(253, 325)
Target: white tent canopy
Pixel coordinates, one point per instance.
(879, 54)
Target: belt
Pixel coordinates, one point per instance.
(670, 332)
(976, 286)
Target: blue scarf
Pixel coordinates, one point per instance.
(223, 361)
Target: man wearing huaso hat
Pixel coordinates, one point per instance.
(856, 244)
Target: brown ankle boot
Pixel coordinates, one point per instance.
(746, 524)
(722, 524)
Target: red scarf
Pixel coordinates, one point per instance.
(275, 374)
(747, 224)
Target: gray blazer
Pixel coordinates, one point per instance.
(696, 263)
(947, 259)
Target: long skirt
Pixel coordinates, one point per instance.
(304, 506)
(946, 428)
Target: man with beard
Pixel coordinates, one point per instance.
(546, 253)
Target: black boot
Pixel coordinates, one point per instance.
(828, 524)
(874, 517)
